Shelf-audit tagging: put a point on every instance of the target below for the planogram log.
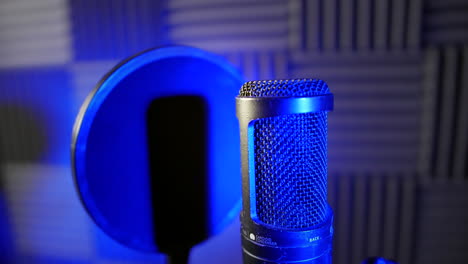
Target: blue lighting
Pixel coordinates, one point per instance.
(379, 260)
(110, 156)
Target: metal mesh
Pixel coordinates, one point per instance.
(291, 170)
(290, 158)
(284, 88)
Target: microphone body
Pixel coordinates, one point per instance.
(283, 128)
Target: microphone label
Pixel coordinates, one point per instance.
(266, 241)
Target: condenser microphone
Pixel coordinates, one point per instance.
(283, 128)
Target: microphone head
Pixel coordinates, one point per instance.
(289, 189)
(284, 88)
(283, 131)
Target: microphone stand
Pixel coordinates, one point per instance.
(178, 257)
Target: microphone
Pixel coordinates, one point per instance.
(283, 132)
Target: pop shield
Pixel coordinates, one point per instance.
(122, 174)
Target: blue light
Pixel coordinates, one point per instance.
(378, 260)
(113, 118)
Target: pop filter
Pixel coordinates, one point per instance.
(155, 150)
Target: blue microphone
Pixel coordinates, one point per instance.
(283, 130)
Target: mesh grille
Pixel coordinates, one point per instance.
(291, 170)
(290, 158)
(284, 88)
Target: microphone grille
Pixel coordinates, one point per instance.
(290, 155)
(284, 88)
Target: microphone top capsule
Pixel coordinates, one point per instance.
(284, 88)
